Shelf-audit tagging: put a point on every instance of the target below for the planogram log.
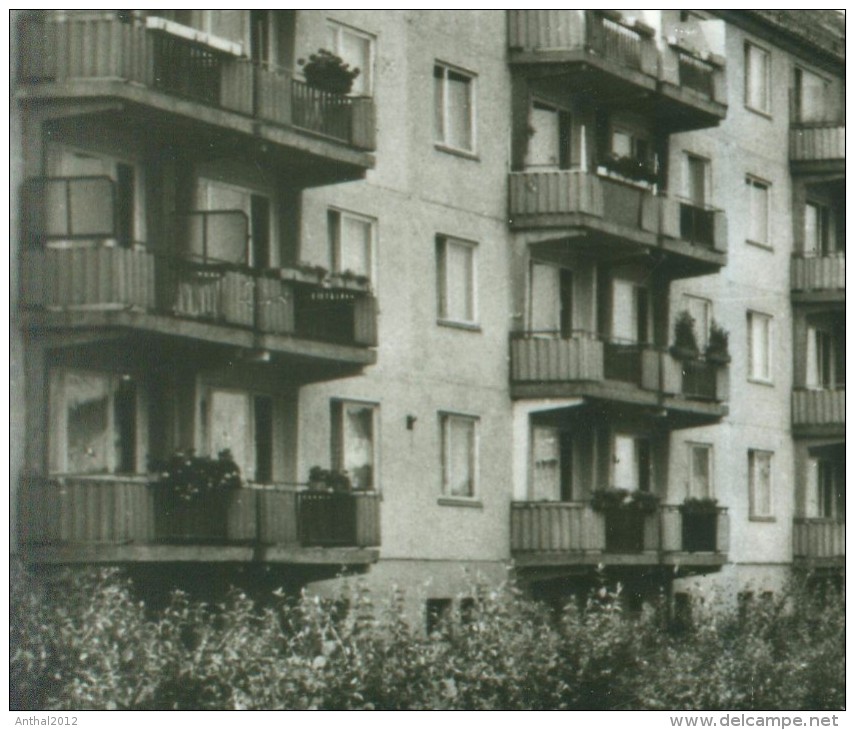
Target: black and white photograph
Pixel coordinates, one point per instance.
(428, 359)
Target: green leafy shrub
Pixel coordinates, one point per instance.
(190, 477)
(80, 641)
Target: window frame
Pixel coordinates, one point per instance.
(335, 240)
(765, 378)
(338, 29)
(446, 497)
(337, 437)
(767, 54)
(753, 182)
(691, 488)
(753, 466)
(442, 142)
(442, 314)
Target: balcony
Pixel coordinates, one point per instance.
(603, 215)
(817, 136)
(818, 278)
(153, 67)
(819, 542)
(572, 533)
(80, 272)
(124, 519)
(819, 412)
(619, 61)
(545, 365)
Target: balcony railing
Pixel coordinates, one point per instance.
(819, 407)
(819, 539)
(92, 512)
(76, 261)
(598, 33)
(547, 357)
(69, 49)
(575, 530)
(818, 273)
(548, 198)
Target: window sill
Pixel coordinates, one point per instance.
(757, 244)
(460, 502)
(469, 326)
(759, 112)
(762, 519)
(758, 381)
(465, 154)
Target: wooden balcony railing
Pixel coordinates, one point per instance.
(545, 198)
(819, 407)
(602, 34)
(111, 511)
(819, 538)
(818, 273)
(548, 357)
(574, 528)
(67, 49)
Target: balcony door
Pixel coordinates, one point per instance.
(272, 38)
(549, 140)
(823, 230)
(826, 489)
(551, 462)
(826, 363)
(810, 97)
(551, 300)
(242, 422)
(631, 315)
(232, 225)
(632, 463)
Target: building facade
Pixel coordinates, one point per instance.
(531, 257)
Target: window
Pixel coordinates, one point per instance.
(549, 143)
(551, 463)
(93, 421)
(355, 48)
(759, 347)
(701, 311)
(759, 484)
(459, 455)
(632, 463)
(550, 300)
(233, 224)
(811, 97)
(826, 488)
(757, 81)
(632, 146)
(758, 210)
(241, 422)
(631, 313)
(824, 227)
(700, 471)
(351, 239)
(698, 179)
(456, 281)
(455, 108)
(438, 616)
(826, 358)
(354, 441)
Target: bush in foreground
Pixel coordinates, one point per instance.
(84, 643)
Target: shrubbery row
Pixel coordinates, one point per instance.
(87, 644)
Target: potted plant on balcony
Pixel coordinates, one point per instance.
(717, 351)
(326, 71)
(631, 168)
(625, 512)
(699, 524)
(192, 495)
(329, 480)
(685, 345)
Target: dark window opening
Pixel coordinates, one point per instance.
(124, 411)
(263, 409)
(437, 613)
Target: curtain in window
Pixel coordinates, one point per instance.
(87, 403)
(459, 299)
(231, 428)
(624, 311)
(546, 465)
(358, 433)
(461, 457)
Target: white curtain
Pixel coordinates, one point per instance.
(546, 465)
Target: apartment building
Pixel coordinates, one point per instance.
(460, 283)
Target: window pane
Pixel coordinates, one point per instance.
(358, 431)
(459, 111)
(87, 400)
(356, 51)
(355, 245)
(459, 299)
(621, 144)
(461, 456)
(230, 428)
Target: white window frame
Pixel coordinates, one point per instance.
(445, 419)
(442, 142)
(755, 459)
(443, 316)
(338, 29)
(703, 335)
(752, 182)
(766, 109)
(335, 239)
(337, 460)
(691, 447)
(753, 375)
(58, 427)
